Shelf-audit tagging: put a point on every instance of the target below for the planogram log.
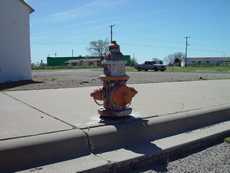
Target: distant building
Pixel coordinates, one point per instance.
(84, 62)
(80, 60)
(208, 61)
(15, 62)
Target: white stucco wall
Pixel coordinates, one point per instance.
(15, 63)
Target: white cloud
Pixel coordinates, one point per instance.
(89, 9)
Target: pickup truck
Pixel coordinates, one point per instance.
(151, 65)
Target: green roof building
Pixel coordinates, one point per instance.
(61, 61)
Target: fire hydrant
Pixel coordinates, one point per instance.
(115, 94)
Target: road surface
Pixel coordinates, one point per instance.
(47, 79)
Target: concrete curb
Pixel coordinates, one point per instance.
(123, 160)
(27, 152)
(169, 154)
(24, 153)
(139, 130)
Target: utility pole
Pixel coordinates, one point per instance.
(72, 52)
(186, 49)
(111, 32)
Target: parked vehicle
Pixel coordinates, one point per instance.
(151, 65)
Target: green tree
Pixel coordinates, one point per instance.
(174, 59)
(132, 62)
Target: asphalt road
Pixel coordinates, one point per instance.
(89, 77)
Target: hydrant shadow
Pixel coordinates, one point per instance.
(133, 134)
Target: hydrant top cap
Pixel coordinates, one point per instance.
(114, 45)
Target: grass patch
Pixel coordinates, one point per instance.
(53, 79)
(63, 67)
(192, 69)
(130, 69)
(227, 140)
(200, 69)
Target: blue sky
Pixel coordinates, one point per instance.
(144, 28)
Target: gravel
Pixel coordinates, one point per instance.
(50, 79)
(215, 159)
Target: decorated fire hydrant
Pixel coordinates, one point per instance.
(115, 94)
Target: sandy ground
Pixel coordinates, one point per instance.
(47, 79)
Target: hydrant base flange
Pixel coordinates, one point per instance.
(112, 113)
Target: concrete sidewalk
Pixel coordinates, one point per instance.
(56, 117)
(74, 107)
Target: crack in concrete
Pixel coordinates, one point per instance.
(38, 134)
(41, 111)
(88, 141)
(90, 146)
(185, 111)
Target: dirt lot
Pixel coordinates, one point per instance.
(47, 79)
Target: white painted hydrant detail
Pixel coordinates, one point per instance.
(115, 94)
